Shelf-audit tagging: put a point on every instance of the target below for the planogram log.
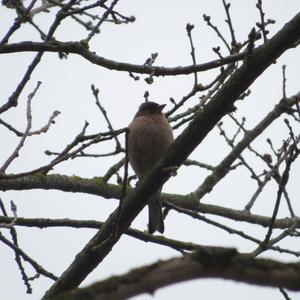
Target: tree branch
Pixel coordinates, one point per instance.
(222, 103)
(99, 187)
(92, 224)
(206, 262)
(223, 168)
(82, 50)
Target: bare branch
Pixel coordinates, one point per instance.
(92, 224)
(15, 154)
(98, 186)
(13, 208)
(82, 50)
(27, 258)
(104, 17)
(101, 244)
(206, 262)
(222, 169)
(13, 99)
(43, 129)
(261, 25)
(104, 113)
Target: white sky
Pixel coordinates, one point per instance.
(159, 27)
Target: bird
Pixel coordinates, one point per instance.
(150, 135)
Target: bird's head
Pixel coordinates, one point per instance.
(150, 108)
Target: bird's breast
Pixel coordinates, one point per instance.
(149, 138)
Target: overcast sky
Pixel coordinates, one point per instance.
(159, 27)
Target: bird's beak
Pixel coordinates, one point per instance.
(161, 107)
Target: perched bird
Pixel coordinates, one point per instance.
(150, 134)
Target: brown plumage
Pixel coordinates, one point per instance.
(150, 134)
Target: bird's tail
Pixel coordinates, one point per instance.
(156, 221)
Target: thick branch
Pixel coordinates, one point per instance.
(74, 184)
(206, 262)
(97, 186)
(101, 244)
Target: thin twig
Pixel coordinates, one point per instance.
(43, 129)
(17, 23)
(13, 208)
(261, 25)
(14, 236)
(222, 169)
(283, 81)
(104, 17)
(189, 28)
(282, 184)
(284, 293)
(229, 22)
(104, 113)
(63, 157)
(207, 18)
(240, 157)
(230, 230)
(39, 269)
(113, 170)
(13, 99)
(124, 183)
(15, 153)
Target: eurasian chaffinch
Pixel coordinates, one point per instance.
(150, 134)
